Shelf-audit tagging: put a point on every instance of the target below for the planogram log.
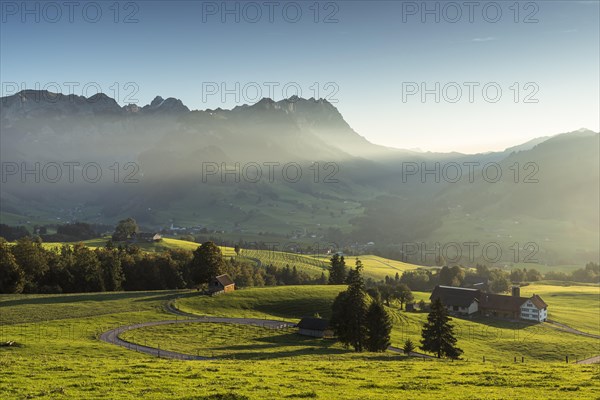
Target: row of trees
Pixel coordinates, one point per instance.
(28, 267)
(589, 274)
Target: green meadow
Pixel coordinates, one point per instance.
(59, 354)
(576, 305)
(478, 337)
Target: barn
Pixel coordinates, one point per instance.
(315, 327)
(221, 284)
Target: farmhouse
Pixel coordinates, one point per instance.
(457, 300)
(315, 327)
(471, 301)
(221, 284)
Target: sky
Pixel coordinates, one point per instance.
(437, 76)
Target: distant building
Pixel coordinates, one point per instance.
(315, 327)
(464, 301)
(221, 284)
(146, 237)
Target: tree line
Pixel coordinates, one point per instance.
(26, 266)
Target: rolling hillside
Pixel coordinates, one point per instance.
(342, 189)
(57, 335)
(374, 267)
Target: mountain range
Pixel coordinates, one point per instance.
(166, 165)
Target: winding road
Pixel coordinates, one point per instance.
(112, 336)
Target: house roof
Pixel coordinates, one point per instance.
(224, 280)
(455, 296)
(313, 323)
(146, 235)
(463, 297)
(538, 302)
(501, 302)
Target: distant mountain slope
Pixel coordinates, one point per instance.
(348, 189)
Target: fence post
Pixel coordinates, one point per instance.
(567, 358)
(522, 359)
(484, 359)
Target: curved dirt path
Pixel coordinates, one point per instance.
(112, 336)
(591, 360)
(567, 328)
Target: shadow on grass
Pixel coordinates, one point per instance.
(171, 295)
(101, 296)
(293, 345)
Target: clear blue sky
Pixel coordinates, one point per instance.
(373, 54)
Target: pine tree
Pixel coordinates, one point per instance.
(323, 279)
(349, 311)
(337, 270)
(379, 327)
(438, 333)
(409, 346)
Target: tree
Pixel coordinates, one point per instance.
(445, 276)
(12, 277)
(206, 263)
(403, 294)
(387, 294)
(379, 327)
(349, 311)
(518, 275)
(86, 269)
(12, 233)
(438, 333)
(499, 283)
(408, 347)
(337, 270)
(322, 280)
(417, 279)
(533, 275)
(237, 249)
(375, 293)
(125, 229)
(451, 276)
(110, 264)
(31, 257)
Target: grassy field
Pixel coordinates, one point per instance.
(496, 340)
(576, 305)
(60, 356)
(240, 342)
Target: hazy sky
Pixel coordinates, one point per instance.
(373, 59)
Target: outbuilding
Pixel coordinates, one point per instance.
(222, 284)
(315, 327)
